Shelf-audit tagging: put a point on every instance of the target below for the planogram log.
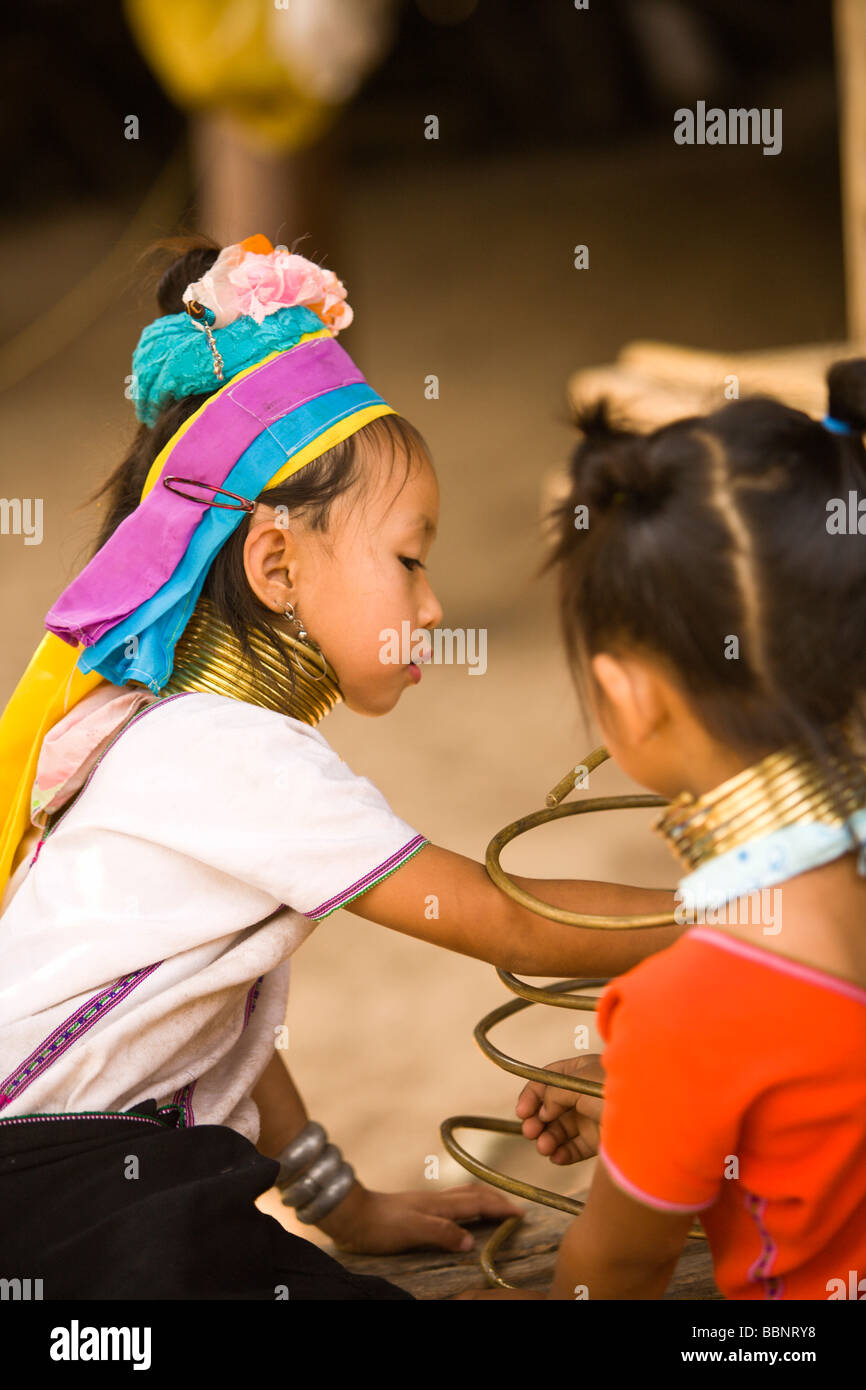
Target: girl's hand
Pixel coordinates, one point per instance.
(384, 1223)
(564, 1124)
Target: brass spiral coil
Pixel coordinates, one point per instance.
(560, 995)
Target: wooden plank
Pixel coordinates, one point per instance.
(527, 1261)
(796, 374)
(652, 383)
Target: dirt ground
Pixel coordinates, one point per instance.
(465, 272)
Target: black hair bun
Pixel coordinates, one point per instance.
(612, 464)
(846, 384)
(194, 258)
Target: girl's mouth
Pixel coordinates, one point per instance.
(414, 672)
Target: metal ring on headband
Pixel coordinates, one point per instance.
(246, 504)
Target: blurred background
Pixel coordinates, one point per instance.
(445, 158)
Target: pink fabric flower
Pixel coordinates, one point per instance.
(244, 282)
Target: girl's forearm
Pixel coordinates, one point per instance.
(283, 1116)
(617, 1247)
(281, 1109)
(585, 1270)
(549, 948)
(447, 899)
(596, 1278)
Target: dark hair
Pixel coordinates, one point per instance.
(716, 526)
(311, 491)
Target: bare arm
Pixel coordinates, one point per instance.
(375, 1222)
(283, 1116)
(282, 1112)
(618, 1247)
(449, 900)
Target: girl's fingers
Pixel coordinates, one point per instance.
(540, 1098)
(439, 1231)
(580, 1146)
(557, 1100)
(559, 1131)
(469, 1202)
(460, 1188)
(571, 1137)
(547, 1115)
(529, 1099)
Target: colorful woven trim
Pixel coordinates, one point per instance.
(374, 876)
(68, 1032)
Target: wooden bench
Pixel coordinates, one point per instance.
(527, 1260)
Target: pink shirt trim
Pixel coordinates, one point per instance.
(659, 1203)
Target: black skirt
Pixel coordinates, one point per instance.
(134, 1206)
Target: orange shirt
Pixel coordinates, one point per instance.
(736, 1088)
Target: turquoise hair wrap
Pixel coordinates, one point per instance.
(173, 358)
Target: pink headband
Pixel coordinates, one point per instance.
(310, 383)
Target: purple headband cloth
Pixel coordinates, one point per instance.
(147, 547)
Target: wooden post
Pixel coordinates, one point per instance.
(850, 32)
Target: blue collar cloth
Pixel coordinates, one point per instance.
(772, 859)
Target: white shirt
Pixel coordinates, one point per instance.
(146, 950)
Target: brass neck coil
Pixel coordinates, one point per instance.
(208, 658)
(787, 787)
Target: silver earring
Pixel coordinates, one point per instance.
(304, 636)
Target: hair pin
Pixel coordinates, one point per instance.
(247, 505)
(203, 317)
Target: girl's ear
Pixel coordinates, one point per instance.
(632, 706)
(609, 693)
(270, 561)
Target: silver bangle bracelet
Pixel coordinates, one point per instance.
(330, 1196)
(302, 1150)
(305, 1188)
(314, 1177)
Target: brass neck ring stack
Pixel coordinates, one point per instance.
(208, 658)
(788, 787)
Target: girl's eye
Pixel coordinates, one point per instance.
(410, 563)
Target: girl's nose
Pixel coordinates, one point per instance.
(431, 610)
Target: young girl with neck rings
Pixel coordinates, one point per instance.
(176, 824)
(713, 612)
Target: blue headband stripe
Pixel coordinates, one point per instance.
(158, 623)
